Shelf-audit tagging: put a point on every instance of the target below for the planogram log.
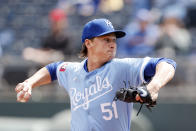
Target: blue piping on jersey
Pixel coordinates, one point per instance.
(52, 69)
(85, 65)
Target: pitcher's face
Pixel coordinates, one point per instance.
(105, 46)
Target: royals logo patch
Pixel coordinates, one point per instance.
(63, 67)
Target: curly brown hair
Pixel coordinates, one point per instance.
(83, 52)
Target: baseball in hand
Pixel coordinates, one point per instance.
(25, 93)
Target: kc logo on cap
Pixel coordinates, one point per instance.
(99, 27)
(109, 23)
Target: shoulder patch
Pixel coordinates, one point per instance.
(63, 67)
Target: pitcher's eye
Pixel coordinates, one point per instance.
(114, 40)
(106, 40)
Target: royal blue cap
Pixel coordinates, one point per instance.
(99, 27)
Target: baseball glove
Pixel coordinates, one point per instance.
(129, 95)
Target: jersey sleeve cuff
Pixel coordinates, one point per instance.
(145, 62)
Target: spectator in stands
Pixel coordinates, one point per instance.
(91, 7)
(141, 36)
(174, 38)
(137, 5)
(6, 39)
(56, 45)
(109, 6)
(81, 7)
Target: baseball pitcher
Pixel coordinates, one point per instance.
(102, 88)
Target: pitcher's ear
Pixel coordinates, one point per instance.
(88, 43)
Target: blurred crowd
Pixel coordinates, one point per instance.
(45, 31)
(154, 27)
